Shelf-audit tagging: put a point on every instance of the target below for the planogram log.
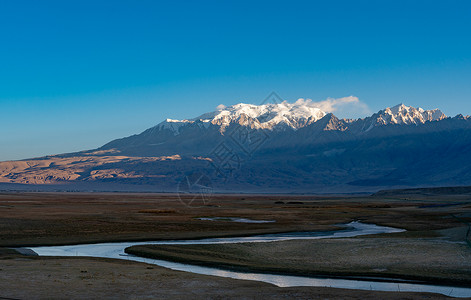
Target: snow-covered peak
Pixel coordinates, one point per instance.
(172, 125)
(402, 114)
(400, 108)
(267, 116)
(295, 115)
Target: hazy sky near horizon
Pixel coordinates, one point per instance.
(77, 74)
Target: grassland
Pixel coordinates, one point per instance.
(28, 219)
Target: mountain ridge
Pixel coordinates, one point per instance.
(286, 147)
(295, 116)
(211, 127)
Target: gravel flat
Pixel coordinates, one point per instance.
(430, 259)
(89, 278)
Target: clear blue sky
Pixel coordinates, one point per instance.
(77, 74)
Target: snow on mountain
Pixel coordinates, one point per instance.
(403, 115)
(297, 115)
(306, 150)
(173, 125)
(267, 116)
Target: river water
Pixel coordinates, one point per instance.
(116, 250)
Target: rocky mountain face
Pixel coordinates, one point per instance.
(287, 147)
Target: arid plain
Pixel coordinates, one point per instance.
(436, 222)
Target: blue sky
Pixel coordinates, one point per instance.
(77, 74)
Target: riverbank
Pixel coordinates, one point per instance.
(431, 260)
(39, 219)
(94, 278)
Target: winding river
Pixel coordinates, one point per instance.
(116, 250)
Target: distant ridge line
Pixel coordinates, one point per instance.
(453, 190)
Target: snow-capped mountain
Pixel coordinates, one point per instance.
(281, 147)
(294, 116)
(268, 116)
(196, 136)
(402, 115)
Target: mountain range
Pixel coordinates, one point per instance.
(280, 147)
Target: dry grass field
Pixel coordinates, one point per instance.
(29, 219)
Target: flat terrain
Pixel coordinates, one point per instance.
(28, 219)
(88, 278)
(424, 259)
